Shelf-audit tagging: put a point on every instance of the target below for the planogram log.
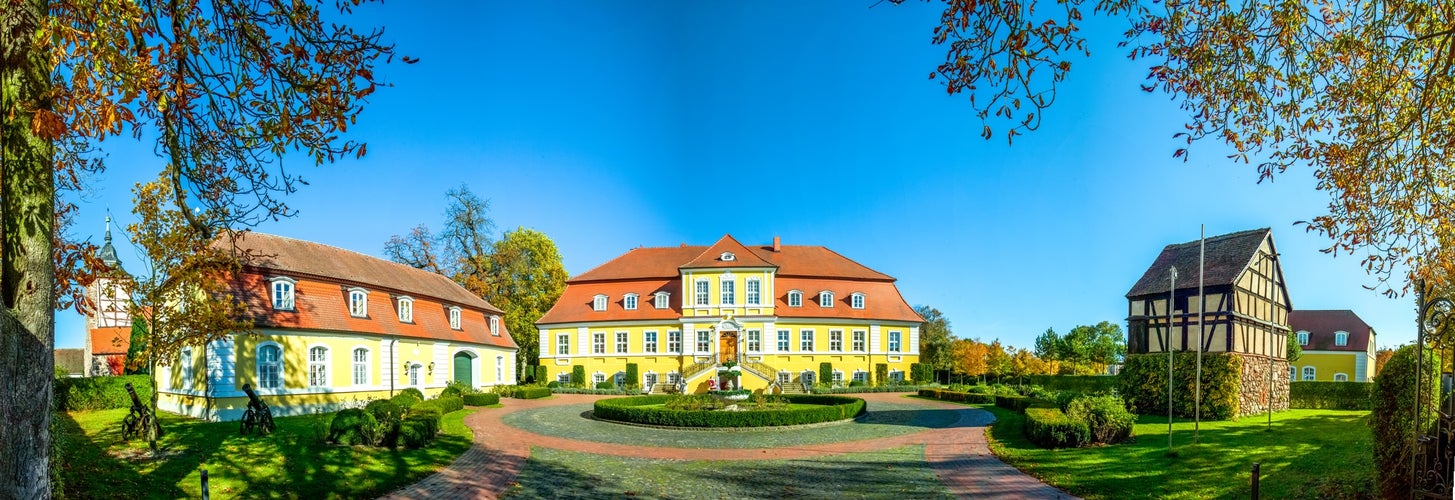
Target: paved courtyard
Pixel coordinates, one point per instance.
(957, 453)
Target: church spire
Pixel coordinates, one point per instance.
(108, 252)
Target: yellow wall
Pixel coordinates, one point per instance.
(1327, 364)
(715, 306)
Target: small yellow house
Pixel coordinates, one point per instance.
(1337, 346)
(682, 314)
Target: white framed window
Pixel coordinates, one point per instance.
(704, 341)
(729, 294)
(563, 344)
(894, 341)
(495, 325)
(838, 377)
(662, 300)
(406, 310)
(598, 377)
(1292, 372)
(621, 342)
(270, 366)
(1341, 377)
(1309, 372)
(859, 340)
(783, 340)
(598, 343)
(598, 303)
(825, 299)
(727, 257)
(755, 340)
(673, 378)
(649, 341)
(649, 379)
(805, 340)
(856, 300)
(795, 298)
(629, 302)
(896, 376)
(455, 317)
(318, 366)
(563, 377)
(702, 291)
(283, 293)
(188, 369)
(1341, 338)
(414, 379)
(358, 302)
(861, 376)
(500, 369)
(836, 340)
(674, 341)
(361, 366)
(754, 291)
(1302, 338)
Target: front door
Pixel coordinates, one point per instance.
(463, 373)
(727, 347)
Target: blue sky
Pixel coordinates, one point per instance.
(611, 125)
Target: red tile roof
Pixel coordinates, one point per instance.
(713, 256)
(110, 340)
(1322, 324)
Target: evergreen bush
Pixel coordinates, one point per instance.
(100, 393)
(606, 384)
(881, 373)
(1143, 382)
(1394, 416)
(481, 399)
(540, 374)
(413, 392)
(643, 410)
(1086, 384)
(533, 393)
(353, 426)
(419, 427)
(1330, 395)
(631, 376)
(387, 415)
(826, 373)
(1051, 428)
(406, 399)
(578, 376)
(1105, 416)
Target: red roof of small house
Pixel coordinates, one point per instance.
(1322, 325)
(110, 340)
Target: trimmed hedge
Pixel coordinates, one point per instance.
(825, 373)
(533, 392)
(419, 428)
(1020, 403)
(881, 373)
(1143, 382)
(959, 397)
(578, 376)
(1330, 395)
(541, 374)
(1051, 428)
(599, 392)
(862, 387)
(1086, 384)
(643, 410)
(1106, 416)
(921, 373)
(444, 404)
(406, 400)
(632, 375)
(481, 399)
(100, 393)
(353, 426)
(413, 392)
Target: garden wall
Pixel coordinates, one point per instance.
(1255, 391)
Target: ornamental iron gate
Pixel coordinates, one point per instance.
(1433, 460)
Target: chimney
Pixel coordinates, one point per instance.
(777, 244)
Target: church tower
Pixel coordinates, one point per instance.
(108, 321)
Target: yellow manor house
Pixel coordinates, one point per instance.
(776, 312)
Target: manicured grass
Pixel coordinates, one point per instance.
(895, 473)
(1307, 454)
(881, 420)
(293, 462)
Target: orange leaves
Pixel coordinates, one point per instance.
(47, 124)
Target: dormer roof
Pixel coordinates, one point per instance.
(727, 252)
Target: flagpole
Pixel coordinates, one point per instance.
(1171, 304)
(1201, 329)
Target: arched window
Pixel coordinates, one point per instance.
(361, 366)
(856, 300)
(662, 300)
(358, 302)
(500, 369)
(270, 366)
(495, 325)
(754, 291)
(454, 317)
(1341, 338)
(414, 379)
(598, 303)
(406, 310)
(825, 299)
(318, 366)
(1308, 373)
(1302, 338)
(283, 294)
(629, 302)
(795, 298)
(1340, 377)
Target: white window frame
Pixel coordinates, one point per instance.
(1341, 377)
(649, 341)
(662, 300)
(629, 302)
(894, 341)
(406, 309)
(499, 370)
(727, 257)
(415, 380)
(189, 370)
(674, 341)
(825, 299)
(836, 340)
(755, 341)
(805, 340)
(495, 325)
(728, 287)
(598, 303)
(284, 293)
(563, 377)
(597, 378)
(454, 317)
(704, 341)
(856, 300)
(838, 376)
(318, 372)
(1310, 373)
(358, 302)
(598, 342)
(622, 342)
(1341, 338)
(896, 375)
(360, 372)
(563, 344)
(795, 298)
(785, 340)
(860, 376)
(1302, 337)
(702, 291)
(279, 380)
(754, 291)
(860, 340)
(1292, 372)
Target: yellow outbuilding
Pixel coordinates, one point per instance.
(1337, 346)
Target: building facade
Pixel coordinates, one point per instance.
(682, 314)
(334, 328)
(1337, 346)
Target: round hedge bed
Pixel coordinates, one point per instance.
(647, 410)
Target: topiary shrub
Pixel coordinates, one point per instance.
(419, 427)
(413, 392)
(353, 426)
(881, 373)
(1051, 428)
(540, 374)
(457, 389)
(481, 399)
(644, 410)
(856, 383)
(606, 384)
(406, 400)
(1105, 416)
(578, 375)
(1394, 416)
(632, 375)
(444, 404)
(826, 373)
(553, 384)
(533, 393)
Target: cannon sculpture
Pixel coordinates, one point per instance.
(138, 419)
(257, 417)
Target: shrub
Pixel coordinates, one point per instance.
(419, 428)
(1105, 416)
(413, 392)
(444, 405)
(553, 384)
(881, 373)
(642, 409)
(387, 415)
(826, 373)
(1020, 403)
(405, 399)
(540, 371)
(632, 375)
(1330, 395)
(506, 391)
(606, 384)
(353, 426)
(578, 375)
(481, 399)
(100, 393)
(1087, 384)
(533, 393)
(1143, 382)
(456, 388)
(921, 373)
(856, 383)
(1051, 428)
(1394, 416)
(959, 397)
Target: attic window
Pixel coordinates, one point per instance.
(598, 303)
(629, 302)
(856, 300)
(728, 257)
(495, 325)
(1341, 338)
(406, 310)
(283, 293)
(661, 300)
(1302, 338)
(795, 298)
(454, 317)
(825, 299)
(358, 302)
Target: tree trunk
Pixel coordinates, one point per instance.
(27, 220)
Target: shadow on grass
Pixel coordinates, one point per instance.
(91, 472)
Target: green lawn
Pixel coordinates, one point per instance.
(293, 462)
(1307, 454)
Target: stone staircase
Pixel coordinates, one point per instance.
(794, 387)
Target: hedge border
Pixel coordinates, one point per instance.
(481, 399)
(631, 410)
(1319, 395)
(1052, 428)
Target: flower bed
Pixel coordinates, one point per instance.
(648, 410)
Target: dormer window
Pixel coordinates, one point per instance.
(283, 293)
(406, 310)
(825, 299)
(662, 300)
(358, 302)
(1341, 338)
(455, 318)
(795, 298)
(495, 325)
(629, 302)
(727, 257)
(598, 303)
(1303, 338)
(856, 300)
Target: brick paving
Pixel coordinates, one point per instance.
(959, 454)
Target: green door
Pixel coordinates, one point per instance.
(462, 370)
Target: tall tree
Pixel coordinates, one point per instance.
(1048, 345)
(997, 359)
(1356, 91)
(935, 338)
(969, 357)
(461, 251)
(226, 88)
(525, 278)
(1108, 344)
